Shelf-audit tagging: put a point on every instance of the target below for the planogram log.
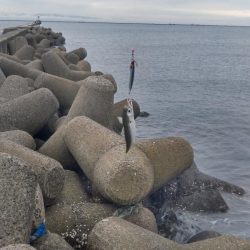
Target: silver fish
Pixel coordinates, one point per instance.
(129, 125)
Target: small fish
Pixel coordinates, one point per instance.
(129, 125)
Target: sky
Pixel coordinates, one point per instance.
(221, 12)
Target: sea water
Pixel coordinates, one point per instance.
(195, 83)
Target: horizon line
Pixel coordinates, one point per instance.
(110, 22)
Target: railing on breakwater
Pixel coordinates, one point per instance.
(6, 37)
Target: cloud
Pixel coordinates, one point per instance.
(157, 11)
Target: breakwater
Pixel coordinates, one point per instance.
(87, 145)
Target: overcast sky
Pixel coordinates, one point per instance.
(229, 12)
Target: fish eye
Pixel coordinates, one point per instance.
(129, 110)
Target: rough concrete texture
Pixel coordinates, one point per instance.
(10, 67)
(111, 79)
(204, 235)
(55, 148)
(16, 44)
(226, 242)
(84, 65)
(64, 89)
(17, 195)
(123, 178)
(25, 53)
(51, 241)
(31, 40)
(13, 87)
(18, 247)
(74, 222)
(2, 77)
(39, 212)
(168, 156)
(74, 67)
(144, 218)
(36, 64)
(95, 100)
(73, 191)
(115, 233)
(194, 180)
(12, 58)
(19, 137)
(45, 43)
(29, 112)
(210, 201)
(88, 141)
(72, 58)
(60, 122)
(80, 52)
(50, 174)
(54, 65)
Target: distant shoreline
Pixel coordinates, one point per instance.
(139, 23)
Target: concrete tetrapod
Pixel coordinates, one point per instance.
(95, 100)
(54, 65)
(50, 174)
(168, 156)
(122, 178)
(20, 137)
(22, 112)
(36, 64)
(2, 77)
(80, 52)
(16, 44)
(115, 233)
(18, 247)
(51, 241)
(17, 195)
(25, 53)
(75, 221)
(14, 86)
(65, 90)
(10, 67)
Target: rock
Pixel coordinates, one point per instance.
(116, 233)
(16, 44)
(50, 174)
(36, 64)
(25, 53)
(22, 112)
(19, 137)
(144, 114)
(204, 235)
(64, 89)
(203, 201)
(10, 67)
(51, 241)
(80, 52)
(54, 65)
(168, 156)
(84, 65)
(13, 87)
(18, 247)
(226, 242)
(123, 178)
(194, 180)
(17, 195)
